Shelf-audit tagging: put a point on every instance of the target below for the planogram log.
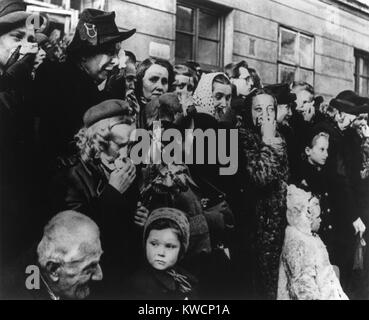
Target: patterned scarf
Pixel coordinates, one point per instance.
(203, 95)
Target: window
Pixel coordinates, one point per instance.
(296, 56)
(362, 73)
(75, 4)
(199, 36)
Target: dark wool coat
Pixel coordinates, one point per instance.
(83, 186)
(63, 93)
(363, 192)
(18, 164)
(151, 284)
(322, 185)
(267, 171)
(342, 165)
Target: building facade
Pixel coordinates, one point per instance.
(324, 42)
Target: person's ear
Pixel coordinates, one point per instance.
(307, 151)
(53, 270)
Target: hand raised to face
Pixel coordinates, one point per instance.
(122, 178)
(268, 127)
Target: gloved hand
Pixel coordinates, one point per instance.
(359, 226)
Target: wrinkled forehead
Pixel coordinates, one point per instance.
(84, 253)
(156, 70)
(225, 89)
(263, 100)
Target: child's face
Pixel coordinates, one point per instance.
(162, 248)
(318, 154)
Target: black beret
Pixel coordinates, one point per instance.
(106, 109)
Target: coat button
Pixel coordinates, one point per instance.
(330, 227)
(328, 210)
(326, 194)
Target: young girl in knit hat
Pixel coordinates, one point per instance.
(166, 240)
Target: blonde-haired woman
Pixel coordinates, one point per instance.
(101, 182)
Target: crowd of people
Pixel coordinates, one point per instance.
(290, 223)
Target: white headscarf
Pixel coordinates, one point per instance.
(203, 95)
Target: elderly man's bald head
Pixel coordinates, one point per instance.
(69, 254)
(68, 236)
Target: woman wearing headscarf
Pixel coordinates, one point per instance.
(266, 175)
(213, 94)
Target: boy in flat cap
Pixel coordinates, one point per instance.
(67, 90)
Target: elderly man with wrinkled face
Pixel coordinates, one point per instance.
(69, 255)
(63, 265)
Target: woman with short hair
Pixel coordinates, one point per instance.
(154, 77)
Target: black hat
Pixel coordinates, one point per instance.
(106, 109)
(96, 28)
(349, 102)
(282, 93)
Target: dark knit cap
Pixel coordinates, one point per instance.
(174, 215)
(106, 109)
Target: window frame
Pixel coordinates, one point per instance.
(297, 65)
(357, 76)
(196, 35)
